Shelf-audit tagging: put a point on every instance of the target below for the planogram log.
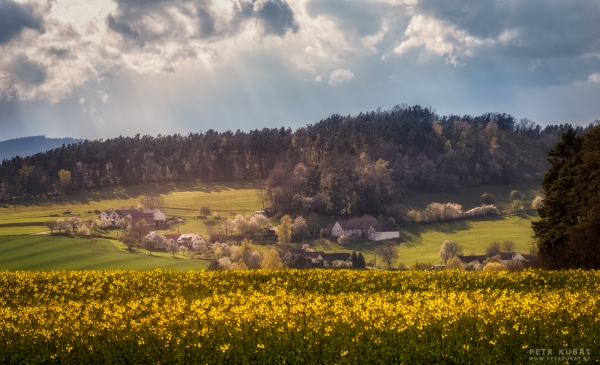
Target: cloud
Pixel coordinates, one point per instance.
(594, 78)
(509, 28)
(339, 76)
(276, 17)
(125, 30)
(68, 46)
(60, 53)
(16, 17)
(27, 72)
(355, 16)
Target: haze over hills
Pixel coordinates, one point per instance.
(27, 146)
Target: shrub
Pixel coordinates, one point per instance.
(481, 211)
(454, 263)
(436, 212)
(473, 266)
(516, 195)
(494, 266)
(224, 263)
(488, 198)
(422, 266)
(537, 202)
(83, 231)
(515, 265)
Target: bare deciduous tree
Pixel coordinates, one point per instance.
(388, 253)
(493, 249)
(508, 246)
(151, 201)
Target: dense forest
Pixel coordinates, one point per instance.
(347, 165)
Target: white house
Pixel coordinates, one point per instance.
(159, 217)
(381, 233)
(191, 241)
(349, 228)
(159, 240)
(112, 216)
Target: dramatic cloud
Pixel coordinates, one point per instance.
(16, 17)
(276, 17)
(166, 65)
(339, 76)
(125, 30)
(27, 72)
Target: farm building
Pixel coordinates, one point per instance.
(159, 217)
(114, 217)
(359, 228)
(191, 241)
(349, 228)
(380, 233)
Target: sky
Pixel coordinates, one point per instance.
(104, 68)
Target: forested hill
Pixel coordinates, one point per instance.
(340, 164)
(27, 146)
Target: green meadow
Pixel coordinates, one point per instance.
(57, 252)
(421, 242)
(28, 248)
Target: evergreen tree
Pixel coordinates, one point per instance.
(567, 233)
(354, 258)
(360, 260)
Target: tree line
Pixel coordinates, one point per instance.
(347, 165)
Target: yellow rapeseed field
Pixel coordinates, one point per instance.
(299, 317)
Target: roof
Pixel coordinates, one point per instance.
(385, 228)
(154, 235)
(471, 258)
(352, 224)
(219, 237)
(153, 210)
(188, 237)
(312, 255)
(172, 236)
(343, 256)
(134, 213)
(504, 256)
(528, 257)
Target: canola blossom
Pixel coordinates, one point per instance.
(297, 317)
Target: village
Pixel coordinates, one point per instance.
(222, 248)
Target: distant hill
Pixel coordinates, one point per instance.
(28, 146)
(350, 165)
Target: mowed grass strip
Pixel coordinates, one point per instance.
(45, 252)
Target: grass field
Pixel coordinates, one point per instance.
(45, 252)
(182, 199)
(421, 242)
